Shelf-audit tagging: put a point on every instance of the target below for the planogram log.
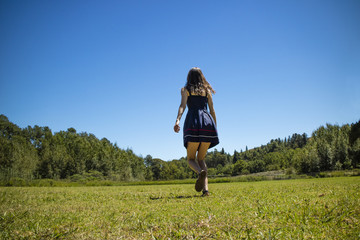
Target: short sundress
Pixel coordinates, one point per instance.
(199, 125)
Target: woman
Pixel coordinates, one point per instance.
(200, 132)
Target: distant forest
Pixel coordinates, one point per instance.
(38, 153)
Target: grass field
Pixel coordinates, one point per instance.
(327, 208)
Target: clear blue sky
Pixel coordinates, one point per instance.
(115, 68)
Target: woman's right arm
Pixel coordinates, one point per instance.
(182, 108)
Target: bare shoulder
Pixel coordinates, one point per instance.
(209, 94)
(184, 91)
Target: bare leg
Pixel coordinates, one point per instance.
(192, 148)
(204, 146)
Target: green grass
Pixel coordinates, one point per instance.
(262, 176)
(319, 208)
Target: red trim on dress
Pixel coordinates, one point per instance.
(189, 129)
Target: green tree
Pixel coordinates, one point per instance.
(256, 166)
(239, 167)
(236, 157)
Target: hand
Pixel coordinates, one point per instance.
(177, 127)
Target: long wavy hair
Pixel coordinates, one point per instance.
(196, 82)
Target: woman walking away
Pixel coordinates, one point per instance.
(200, 131)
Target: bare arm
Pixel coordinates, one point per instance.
(211, 106)
(182, 108)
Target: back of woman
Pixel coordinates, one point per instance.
(200, 132)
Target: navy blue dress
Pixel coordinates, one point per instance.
(199, 125)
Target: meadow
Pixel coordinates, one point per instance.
(319, 208)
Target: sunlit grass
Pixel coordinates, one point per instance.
(294, 209)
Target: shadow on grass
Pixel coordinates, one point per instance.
(175, 197)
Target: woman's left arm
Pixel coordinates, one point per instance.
(182, 108)
(211, 106)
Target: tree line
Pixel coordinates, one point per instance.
(37, 153)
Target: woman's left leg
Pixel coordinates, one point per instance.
(204, 146)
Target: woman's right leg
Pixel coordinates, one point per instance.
(191, 149)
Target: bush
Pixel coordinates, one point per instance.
(18, 182)
(77, 178)
(290, 171)
(212, 172)
(92, 175)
